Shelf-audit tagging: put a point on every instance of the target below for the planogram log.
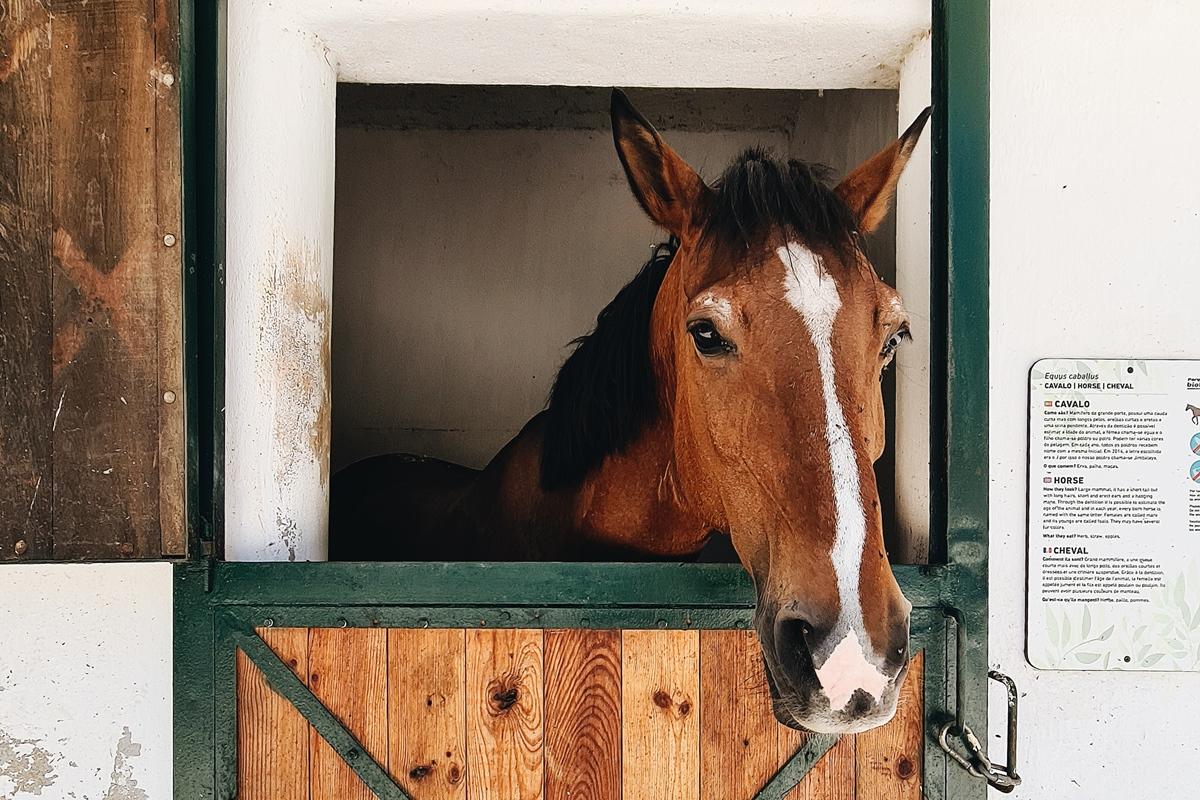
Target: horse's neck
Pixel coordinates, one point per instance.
(635, 500)
(630, 505)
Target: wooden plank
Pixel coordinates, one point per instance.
(889, 758)
(504, 714)
(272, 736)
(738, 732)
(831, 778)
(168, 268)
(103, 212)
(660, 730)
(427, 712)
(583, 714)
(347, 671)
(26, 321)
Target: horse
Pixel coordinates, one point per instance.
(732, 385)
(1195, 412)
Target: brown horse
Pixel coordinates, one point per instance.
(733, 385)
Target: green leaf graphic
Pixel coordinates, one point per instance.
(1052, 628)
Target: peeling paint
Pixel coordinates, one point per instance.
(295, 337)
(122, 785)
(289, 536)
(280, 255)
(25, 767)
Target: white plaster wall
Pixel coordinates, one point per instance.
(1094, 225)
(85, 681)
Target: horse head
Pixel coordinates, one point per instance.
(769, 335)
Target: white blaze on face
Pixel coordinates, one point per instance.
(812, 292)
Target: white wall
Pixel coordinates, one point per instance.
(1094, 225)
(85, 681)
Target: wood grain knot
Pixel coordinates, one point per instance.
(420, 771)
(663, 700)
(455, 774)
(905, 768)
(504, 694)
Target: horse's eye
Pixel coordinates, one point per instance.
(893, 343)
(708, 341)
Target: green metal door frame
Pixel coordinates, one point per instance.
(216, 603)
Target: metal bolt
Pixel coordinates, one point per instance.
(422, 623)
(352, 754)
(169, 240)
(662, 623)
(168, 396)
(342, 623)
(584, 622)
(20, 547)
(268, 623)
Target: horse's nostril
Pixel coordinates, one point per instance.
(860, 703)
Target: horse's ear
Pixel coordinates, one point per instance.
(869, 189)
(669, 190)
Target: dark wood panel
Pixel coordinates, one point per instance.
(100, 306)
(168, 177)
(26, 409)
(583, 714)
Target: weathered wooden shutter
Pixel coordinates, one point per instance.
(91, 364)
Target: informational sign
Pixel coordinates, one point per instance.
(1114, 515)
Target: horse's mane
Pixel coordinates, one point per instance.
(605, 394)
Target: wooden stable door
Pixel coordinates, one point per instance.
(517, 714)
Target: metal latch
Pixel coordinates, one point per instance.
(973, 755)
